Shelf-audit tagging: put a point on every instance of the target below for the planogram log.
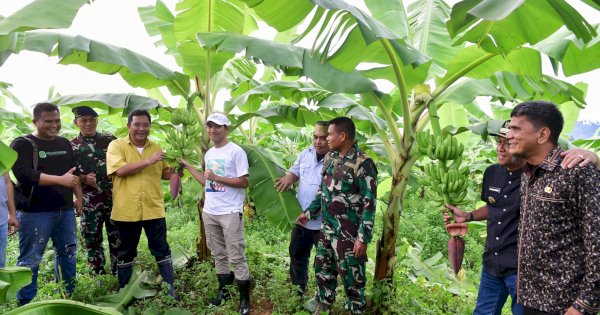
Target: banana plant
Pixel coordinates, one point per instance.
(461, 52)
(281, 208)
(62, 307)
(203, 72)
(12, 279)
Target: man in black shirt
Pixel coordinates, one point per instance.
(51, 186)
(501, 193)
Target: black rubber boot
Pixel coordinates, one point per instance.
(223, 294)
(124, 272)
(244, 287)
(165, 267)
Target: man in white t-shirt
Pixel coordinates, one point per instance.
(225, 180)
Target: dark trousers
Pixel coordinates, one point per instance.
(129, 235)
(532, 311)
(301, 243)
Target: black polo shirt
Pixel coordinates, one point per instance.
(501, 193)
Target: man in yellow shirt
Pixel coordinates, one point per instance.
(136, 166)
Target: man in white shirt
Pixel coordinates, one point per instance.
(306, 170)
(225, 180)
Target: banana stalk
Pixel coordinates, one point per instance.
(447, 181)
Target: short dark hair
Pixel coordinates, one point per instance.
(344, 124)
(323, 123)
(43, 107)
(542, 114)
(138, 112)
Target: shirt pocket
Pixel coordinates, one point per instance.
(345, 175)
(553, 216)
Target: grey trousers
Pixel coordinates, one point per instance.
(225, 239)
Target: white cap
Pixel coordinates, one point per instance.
(218, 119)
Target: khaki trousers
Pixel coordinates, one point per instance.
(225, 239)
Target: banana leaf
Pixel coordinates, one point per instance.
(136, 69)
(42, 14)
(12, 278)
(139, 287)
(8, 157)
(62, 307)
(112, 102)
(280, 208)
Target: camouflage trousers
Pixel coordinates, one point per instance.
(92, 222)
(335, 256)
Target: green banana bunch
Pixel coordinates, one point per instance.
(182, 141)
(181, 116)
(444, 148)
(447, 148)
(423, 142)
(447, 181)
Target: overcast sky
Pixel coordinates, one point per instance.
(117, 22)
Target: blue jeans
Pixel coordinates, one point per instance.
(36, 229)
(3, 238)
(493, 292)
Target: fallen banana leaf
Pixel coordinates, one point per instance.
(280, 208)
(138, 287)
(11, 280)
(60, 307)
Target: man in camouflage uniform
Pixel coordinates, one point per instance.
(347, 198)
(90, 151)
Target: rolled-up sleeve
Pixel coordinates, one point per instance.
(23, 167)
(115, 158)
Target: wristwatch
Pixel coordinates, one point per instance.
(469, 216)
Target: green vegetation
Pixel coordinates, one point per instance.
(424, 284)
(442, 62)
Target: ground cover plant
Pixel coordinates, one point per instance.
(443, 62)
(414, 292)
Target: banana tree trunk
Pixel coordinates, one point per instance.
(202, 251)
(385, 261)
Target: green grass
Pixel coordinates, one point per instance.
(267, 253)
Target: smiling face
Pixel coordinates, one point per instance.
(87, 125)
(48, 125)
(139, 128)
(522, 137)
(504, 157)
(216, 133)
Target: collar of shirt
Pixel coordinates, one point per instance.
(148, 142)
(551, 161)
(350, 155)
(84, 139)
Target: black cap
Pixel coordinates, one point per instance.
(503, 131)
(84, 111)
